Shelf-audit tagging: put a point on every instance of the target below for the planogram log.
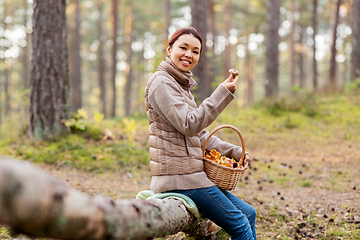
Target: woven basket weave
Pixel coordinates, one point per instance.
(225, 178)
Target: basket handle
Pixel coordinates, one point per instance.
(221, 127)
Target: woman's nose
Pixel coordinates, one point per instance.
(188, 53)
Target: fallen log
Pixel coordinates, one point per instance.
(38, 205)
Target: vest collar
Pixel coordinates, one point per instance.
(184, 78)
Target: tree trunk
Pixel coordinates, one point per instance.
(7, 64)
(128, 52)
(38, 205)
(292, 47)
(211, 51)
(25, 50)
(101, 58)
(355, 40)
(300, 51)
(334, 24)
(75, 69)
(199, 21)
(49, 75)
(227, 52)
(113, 55)
(272, 49)
(249, 75)
(167, 4)
(314, 27)
(8, 70)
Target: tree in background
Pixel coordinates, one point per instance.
(49, 76)
(8, 64)
(211, 50)
(314, 28)
(300, 43)
(292, 46)
(272, 49)
(334, 25)
(150, 29)
(101, 58)
(128, 51)
(228, 50)
(25, 50)
(199, 21)
(75, 59)
(167, 12)
(355, 57)
(113, 56)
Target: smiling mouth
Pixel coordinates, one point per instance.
(185, 61)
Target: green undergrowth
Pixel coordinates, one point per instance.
(106, 147)
(316, 120)
(307, 117)
(79, 152)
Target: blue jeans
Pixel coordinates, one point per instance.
(229, 212)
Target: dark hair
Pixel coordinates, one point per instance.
(183, 31)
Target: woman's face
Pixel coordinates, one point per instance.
(185, 52)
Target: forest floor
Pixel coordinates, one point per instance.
(300, 190)
(303, 179)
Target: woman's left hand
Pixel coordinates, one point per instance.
(231, 82)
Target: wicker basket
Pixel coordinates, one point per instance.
(225, 178)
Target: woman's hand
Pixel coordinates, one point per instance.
(246, 163)
(246, 160)
(231, 82)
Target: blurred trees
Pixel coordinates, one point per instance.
(115, 49)
(355, 57)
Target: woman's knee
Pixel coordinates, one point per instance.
(252, 212)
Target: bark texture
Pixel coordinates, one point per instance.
(49, 75)
(75, 70)
(35, 204)
(199, 21)
(272, 49)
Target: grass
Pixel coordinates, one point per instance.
(79, 153)
(328, 123)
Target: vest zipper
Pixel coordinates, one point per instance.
(187, 150)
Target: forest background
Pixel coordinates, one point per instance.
(299, 63)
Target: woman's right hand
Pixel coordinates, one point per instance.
(231, 82)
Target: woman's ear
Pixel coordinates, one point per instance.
(168, 50)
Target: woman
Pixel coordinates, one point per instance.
(177, 132)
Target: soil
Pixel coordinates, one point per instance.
(320, 193)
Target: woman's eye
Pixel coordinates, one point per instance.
(196, 52)
(183, 48)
